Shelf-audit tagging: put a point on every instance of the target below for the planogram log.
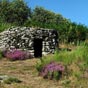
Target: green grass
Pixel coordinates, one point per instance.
(12, 80)
(4, 26)
(75, 61)
(80, 54)
(0, 55)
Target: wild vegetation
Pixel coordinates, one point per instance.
(74, 66)
(0, 55)
(17, 13)
(64, 69)
(70, 68)
(15, 54)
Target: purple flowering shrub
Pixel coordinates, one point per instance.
(53, 70)
(16, 54)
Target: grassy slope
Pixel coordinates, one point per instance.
(76, 62)
(26, 71)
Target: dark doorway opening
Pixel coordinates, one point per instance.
(38, 47)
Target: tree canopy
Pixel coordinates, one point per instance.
(14, 11)
(17, 12)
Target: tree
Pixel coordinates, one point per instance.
(15, 11)
(42, 17)
(4, 7)
(81, 32)
(72, 37)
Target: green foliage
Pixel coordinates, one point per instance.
(15, 11)
(12, 80)
(76, 61)
(4, 26)
(68, 32)
(79, 54)
(77, 74)
(42, 17)
(0, 55)
(53, 70)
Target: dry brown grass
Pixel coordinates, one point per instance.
(69, 46)
(26, 72)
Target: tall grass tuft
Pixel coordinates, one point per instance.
(77, 55)
(0, 55)
(4, 26)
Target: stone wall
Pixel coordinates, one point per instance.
(23, 38)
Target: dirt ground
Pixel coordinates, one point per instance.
(27, 73)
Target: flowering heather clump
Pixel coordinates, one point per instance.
(52, 70)
(17, 54)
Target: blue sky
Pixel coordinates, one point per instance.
(75, 10)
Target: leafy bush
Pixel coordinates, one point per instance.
(4, 26)
(16, 54)
(52, 70)
(12, 80)
(0, 55)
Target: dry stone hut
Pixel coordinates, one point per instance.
(37, 41)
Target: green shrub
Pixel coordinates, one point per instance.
(4, 26)
(0, 55)
(12, 80)
(53, 70)
(43, 61)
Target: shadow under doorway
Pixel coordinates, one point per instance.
(38, 47)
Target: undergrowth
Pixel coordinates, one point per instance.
(76, 61)
(4, 26)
